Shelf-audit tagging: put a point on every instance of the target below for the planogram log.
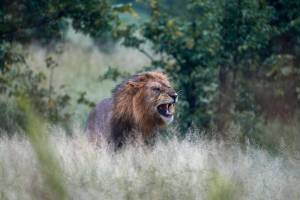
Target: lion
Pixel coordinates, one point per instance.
(139, 106)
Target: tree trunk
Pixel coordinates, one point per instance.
(225, 104)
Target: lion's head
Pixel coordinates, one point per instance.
(145, 102)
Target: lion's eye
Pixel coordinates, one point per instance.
(156, 89)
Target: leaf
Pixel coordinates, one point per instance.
(279, 92)
(170, 23)
(190, 43)
(125, 8)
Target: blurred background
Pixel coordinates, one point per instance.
(234, 63)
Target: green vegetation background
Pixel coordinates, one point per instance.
(235, 63)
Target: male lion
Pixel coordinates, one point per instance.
(138, 107)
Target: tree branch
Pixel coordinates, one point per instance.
(146, 54)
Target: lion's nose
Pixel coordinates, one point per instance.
(174, 96)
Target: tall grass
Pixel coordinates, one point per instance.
(173, 169)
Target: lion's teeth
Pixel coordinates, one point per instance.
(171, 108)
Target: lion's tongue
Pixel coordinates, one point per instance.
(164, 106)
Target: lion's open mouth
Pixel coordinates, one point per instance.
(166, 110)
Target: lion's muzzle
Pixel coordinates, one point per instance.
(166, 110)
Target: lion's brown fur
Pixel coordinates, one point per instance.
(130, 110)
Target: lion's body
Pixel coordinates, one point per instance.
(98, 123)
(132, 110)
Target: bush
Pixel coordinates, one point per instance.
(12, 119)
(21, 80)
(211, 49)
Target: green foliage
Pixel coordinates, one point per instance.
(45, 21)
(210, 41)
(113, 74)
(210, 49)
(12, 119)
(193, 69)
(49, 103)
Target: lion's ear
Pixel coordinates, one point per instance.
(134, 84)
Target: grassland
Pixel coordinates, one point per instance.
(197, 169)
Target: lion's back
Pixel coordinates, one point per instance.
(98, 123)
